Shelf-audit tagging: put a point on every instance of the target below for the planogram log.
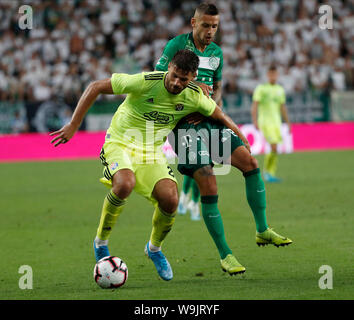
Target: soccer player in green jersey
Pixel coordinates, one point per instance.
(268, 108)
(132, 152)
(205, 24)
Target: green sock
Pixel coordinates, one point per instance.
(195, 192)
(256, 197)
(187, 183)
(213, 221)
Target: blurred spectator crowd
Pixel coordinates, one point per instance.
(73, 42)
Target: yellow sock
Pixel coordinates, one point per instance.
(162, 223)
(267, 162)
(112, 208)
(272, 163)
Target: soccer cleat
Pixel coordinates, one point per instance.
(271, 237)
(193, 208)
(181, 208)
(270, 178)
(182, 204)
(231, 265)
(162, 265)
(100, 251)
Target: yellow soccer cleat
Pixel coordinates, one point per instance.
(231, 265)
(271, 237)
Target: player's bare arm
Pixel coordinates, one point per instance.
(284, 113)
(89, 96)
(222, 117)
(217, 89)
(254, 112)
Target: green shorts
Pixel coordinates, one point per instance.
(204, 144)
(116, 157)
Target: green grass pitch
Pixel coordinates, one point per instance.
(49, 212)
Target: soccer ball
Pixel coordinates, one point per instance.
(110, 272)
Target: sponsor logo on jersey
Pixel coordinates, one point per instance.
(159, 117)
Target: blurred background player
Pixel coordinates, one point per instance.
(268, 109)
(205, 23)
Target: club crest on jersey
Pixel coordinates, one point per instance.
(213, 62)
(113, 165)
(179, 107)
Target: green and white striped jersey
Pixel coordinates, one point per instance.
(210, 61)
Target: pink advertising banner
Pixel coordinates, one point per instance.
(37, 147)
(323, 136)
(87, 145)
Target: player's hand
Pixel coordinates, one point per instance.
(247, 145)
(194, 118)
(64, 134)
(206, 89)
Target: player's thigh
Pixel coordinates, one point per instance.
(243, 160)
(118, 169)
(191, 150)
(114, 157)
(227, 142)
(148, 175)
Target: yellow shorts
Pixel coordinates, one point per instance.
(271, 133)
(116, 157)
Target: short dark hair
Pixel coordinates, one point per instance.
(186, 60)
(272, 67)
(207, 8)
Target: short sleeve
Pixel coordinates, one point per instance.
(257, 94)
(123, 83)
(206, 105)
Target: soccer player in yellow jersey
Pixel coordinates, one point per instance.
(132, 153)
(268, 108)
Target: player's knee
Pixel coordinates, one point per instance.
(169, 202)
(253, 163)
(248, 164)
(206, 181)
(123, 188)
(208, 188)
